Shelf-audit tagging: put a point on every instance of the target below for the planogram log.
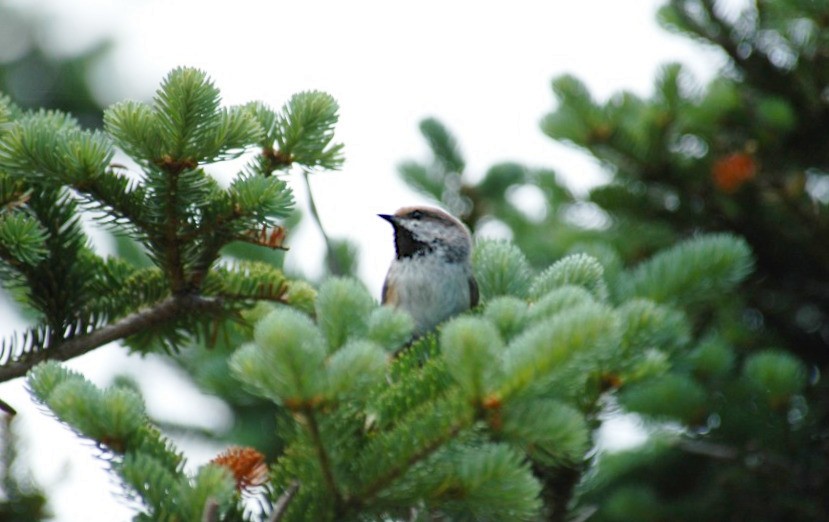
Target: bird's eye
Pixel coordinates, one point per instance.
(416, 214)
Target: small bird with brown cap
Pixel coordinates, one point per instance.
(431, 275)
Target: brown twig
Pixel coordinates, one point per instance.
(163, 311)
(708, 449)
(331, 256)
(7, 408)
(383, 481)
(211, 511)
(172, 243)
(281, 506)
(322, 454)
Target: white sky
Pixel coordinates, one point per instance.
(482, 67)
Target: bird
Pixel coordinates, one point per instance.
(431, 275)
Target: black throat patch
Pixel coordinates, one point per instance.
(405, 245)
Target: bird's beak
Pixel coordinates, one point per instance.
(388, 217)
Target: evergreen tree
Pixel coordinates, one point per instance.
(489, 418)
(742, 154)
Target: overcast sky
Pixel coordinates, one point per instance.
(483, 68)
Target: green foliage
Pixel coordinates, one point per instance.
(189, 122)
(707, 185)
(577, 270)
(172, 207)
(558, 300)
(668, 396)
(633, 501)
(304, 130)
(286, 363)
(500, 269)
(690, 271)
(178, 220)
(185, 123)
(740, 158)
(342, 309)
(23, 237)
(146, 462)
(551, 432)
(114, 416)
(508, 314)
(262, 197)
(492, 484)
(355, 368)
(448, 163)
(5, 109)
(37, 75)
(23, 501)
(469, 423)
(579, 334)
(422, 179)
(52, 145)
(482, 420)
(212, 484)
(490, 417)
(649, 325)
(389, 328)
(541, 238)
(712, 357)
(573, 122)
(470, 346)
(777, 374)
(443, 144)
(605, 254)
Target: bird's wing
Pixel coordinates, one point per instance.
(389, 295)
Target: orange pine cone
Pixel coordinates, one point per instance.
(730, 172)
(247, 465)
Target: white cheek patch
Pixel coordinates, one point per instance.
(426, 234)
(419, 233)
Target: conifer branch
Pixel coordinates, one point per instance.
(122, 201)
(209, 253)
(281, 506)
(720, 39)
(164, 311)
(396, 472)
(331, 256)
(324, 459)
(211, 511)
(708, 449)
(174, 268)
(7, 408)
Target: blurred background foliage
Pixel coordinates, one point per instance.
(745, 153)
(736, 431)
(34, 77)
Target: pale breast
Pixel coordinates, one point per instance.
(429, 289)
